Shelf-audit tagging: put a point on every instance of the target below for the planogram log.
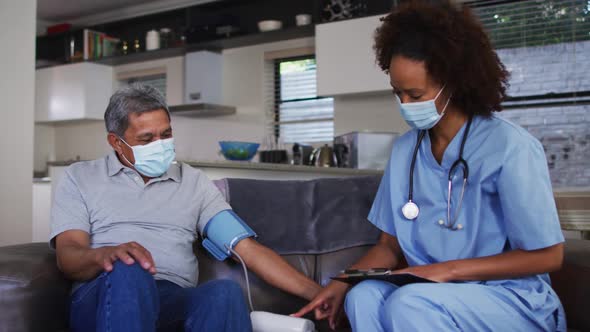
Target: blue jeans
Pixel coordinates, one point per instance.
(129, 299)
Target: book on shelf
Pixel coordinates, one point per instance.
(98, 44)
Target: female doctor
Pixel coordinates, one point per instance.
(466, 199)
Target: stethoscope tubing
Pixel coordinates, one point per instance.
(450, 224)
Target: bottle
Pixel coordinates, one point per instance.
(136, 46)
(124, 48)
(166, 37)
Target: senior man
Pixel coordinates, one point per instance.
(123, 228)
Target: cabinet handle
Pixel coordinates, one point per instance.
(195, 95)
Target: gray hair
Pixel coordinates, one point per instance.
(134, 98)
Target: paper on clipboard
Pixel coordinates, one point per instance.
(401, 279)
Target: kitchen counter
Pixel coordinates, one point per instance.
(63, 162)
(246, 165)
(256, 166)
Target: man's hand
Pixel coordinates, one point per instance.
(128, 253)
(79, 262)
(327, 304)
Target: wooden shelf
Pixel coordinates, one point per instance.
(213, 45)
(255, 39)
(141, 56)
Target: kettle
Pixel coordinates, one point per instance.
(323, 157)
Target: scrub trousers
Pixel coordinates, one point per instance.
(381, 306)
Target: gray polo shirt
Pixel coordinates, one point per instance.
(112, 204)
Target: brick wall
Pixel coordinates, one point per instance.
(564, 131)
(563, 67)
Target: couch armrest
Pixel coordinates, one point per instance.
(572, 284)
(33, 293)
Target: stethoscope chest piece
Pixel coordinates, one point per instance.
(410, 210)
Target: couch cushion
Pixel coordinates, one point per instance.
(307, 217)
(33, 293)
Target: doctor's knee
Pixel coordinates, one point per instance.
(407, 301)
(363, 294)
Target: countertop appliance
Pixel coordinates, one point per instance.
(367, 149)
(302, 154)
(323, 157)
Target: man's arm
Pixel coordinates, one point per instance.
(275, 270)
(79, 262)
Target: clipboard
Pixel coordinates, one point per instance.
(399, 280)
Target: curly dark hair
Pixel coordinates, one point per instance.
(454, 47)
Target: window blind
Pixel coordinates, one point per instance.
(299, 114)
(534, 22)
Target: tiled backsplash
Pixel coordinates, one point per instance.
(564, 131)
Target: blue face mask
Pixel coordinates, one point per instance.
(422, 115)
(153, 159)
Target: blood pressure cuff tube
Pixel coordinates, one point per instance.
(224, 231)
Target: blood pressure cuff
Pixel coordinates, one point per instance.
(224, 231)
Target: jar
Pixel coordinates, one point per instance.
(152, 40)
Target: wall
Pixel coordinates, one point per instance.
(83, 141)
(17, 92)
(44, 147)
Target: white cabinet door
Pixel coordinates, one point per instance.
(203, 77)
(72, 92)
(345, 58)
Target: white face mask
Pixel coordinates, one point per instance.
(422, 115)
(153, 159)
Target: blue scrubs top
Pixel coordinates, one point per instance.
(508, 203)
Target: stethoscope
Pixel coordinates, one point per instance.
(410, 210)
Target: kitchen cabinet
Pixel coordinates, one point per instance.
(345, 58)
(203, 77)
(78, 91)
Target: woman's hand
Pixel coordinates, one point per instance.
(439, 272)
(327, 304)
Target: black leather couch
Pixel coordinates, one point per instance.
(33, 293)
